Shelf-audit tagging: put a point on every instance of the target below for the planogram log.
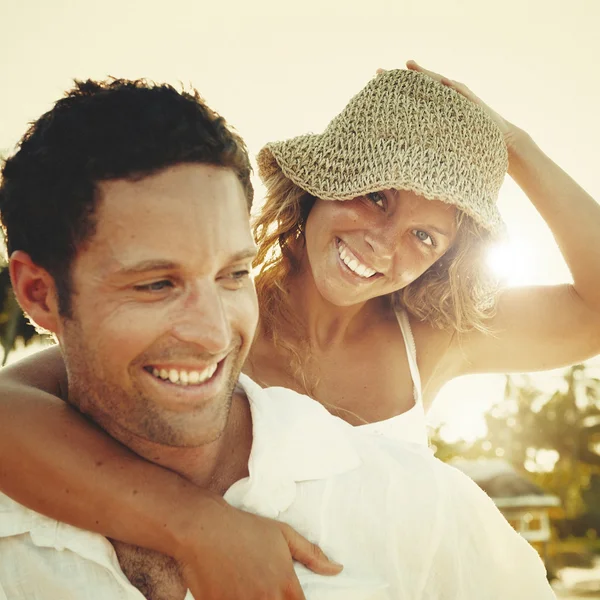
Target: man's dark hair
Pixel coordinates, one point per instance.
(104, 130)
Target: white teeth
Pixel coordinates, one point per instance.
(185, 377)
(352, 263)
(208, 372)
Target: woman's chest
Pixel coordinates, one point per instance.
(368, 390)
(363, 382)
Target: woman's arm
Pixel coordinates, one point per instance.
(544, 327)
(56, 462)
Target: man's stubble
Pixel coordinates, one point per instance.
(129, 413)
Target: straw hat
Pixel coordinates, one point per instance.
(404, 131)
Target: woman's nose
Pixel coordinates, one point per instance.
(384, 240)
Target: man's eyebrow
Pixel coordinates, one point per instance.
(146, 266)
(244, 254)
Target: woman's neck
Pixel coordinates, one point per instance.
(326, 324)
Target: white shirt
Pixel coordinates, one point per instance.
(405, 526)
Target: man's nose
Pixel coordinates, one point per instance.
(203, 319)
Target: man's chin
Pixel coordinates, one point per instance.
(187, 415)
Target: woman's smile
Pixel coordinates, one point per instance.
(353, 265)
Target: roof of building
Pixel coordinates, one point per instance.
(500, 480)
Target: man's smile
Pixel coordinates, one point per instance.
(184, 375)
(174, 385)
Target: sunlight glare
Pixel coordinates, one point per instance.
(511, 262)
(465, 426)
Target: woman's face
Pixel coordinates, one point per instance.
(375, 244)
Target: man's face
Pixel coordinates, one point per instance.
(164, 310)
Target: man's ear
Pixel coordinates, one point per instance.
(35, 291)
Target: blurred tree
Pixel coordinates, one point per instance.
(553, 437)
(13, 324)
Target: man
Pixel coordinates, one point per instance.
(126, 218)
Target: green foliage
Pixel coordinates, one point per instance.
(13, 324)
(551, 437)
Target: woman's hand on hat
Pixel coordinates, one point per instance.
(463, 90)
(509, 130)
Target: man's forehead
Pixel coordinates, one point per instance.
(187, 209)
(194, 194)
(196, 185)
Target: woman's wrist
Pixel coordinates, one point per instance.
(189, 521)
(521, 149)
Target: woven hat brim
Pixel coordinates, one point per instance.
(298, 157)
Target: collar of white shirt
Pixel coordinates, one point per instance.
(294, 439)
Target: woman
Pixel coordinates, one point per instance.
(372, 287)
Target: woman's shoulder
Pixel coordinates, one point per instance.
(430, 339)
(436, 355)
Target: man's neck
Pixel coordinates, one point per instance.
(216, 465)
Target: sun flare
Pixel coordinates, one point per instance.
(510, 261)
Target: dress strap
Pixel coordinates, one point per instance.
(411, 352)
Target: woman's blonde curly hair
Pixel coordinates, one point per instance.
(457, 292)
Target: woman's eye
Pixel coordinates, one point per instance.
(377, 198)
(424, 237)
(155, 286)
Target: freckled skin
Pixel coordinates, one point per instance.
(385, 236)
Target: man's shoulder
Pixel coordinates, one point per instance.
(44, 558)
(17, 521)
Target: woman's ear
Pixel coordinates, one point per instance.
(35, 291)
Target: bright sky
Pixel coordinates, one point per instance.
(276, 69)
